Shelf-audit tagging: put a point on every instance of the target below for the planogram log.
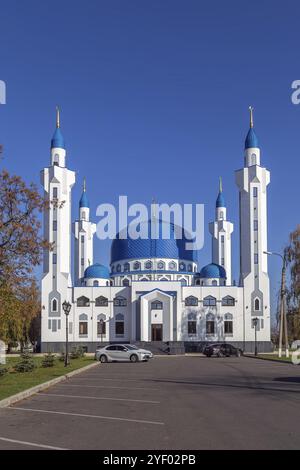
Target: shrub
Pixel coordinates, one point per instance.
(62, 356)
(48, 360)
(76, 352)
(3, 371)
(26, 364)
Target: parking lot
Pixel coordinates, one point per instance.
(172, 402)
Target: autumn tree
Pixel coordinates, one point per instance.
(21, 247)
(293, 290)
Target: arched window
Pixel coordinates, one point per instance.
(256, 304)
(101, 301)
(183, 281)
(101, 325)
(190, 268)
(210, 324)
(214, 282)
(197, 282)
(96, 284)
(228, 301)
(228, 324)
(83, 301)
(148, 264)
(119, 324)
(191, 301)
(209, 301)
(182, 267)
(120, 301)
(160, 265)
(83, 215)
(125, 282)
(172, 265)
(126, 267)
(192, 324)
(54, 305)
(156, 305)
(83, 324)
(221, 215)
(118, 268)
(137, 265)
(253, 159)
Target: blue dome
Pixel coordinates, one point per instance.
(213, 270)
(128, 248)
(96, 270)
(57, 139)
(251, 139)
(220, 200)
(84, 202)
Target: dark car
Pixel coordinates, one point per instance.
(222, 350)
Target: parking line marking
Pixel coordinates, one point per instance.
(99, 398)
(32, 444)
(81, 415)
(108, 386)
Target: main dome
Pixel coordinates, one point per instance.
(128, 248)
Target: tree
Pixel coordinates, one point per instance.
(292, 252)
(21, 245)
(21, 248)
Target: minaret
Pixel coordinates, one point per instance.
(57, 181)
(252, 181)
(221, 230)
(84, 231)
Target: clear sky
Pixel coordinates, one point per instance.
(154, 100)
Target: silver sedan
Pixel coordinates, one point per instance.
(122, 353)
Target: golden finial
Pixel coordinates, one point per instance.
(251, 116)
(220, 184)
(57, 117)
(84, 184)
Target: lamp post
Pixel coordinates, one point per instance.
(255, 323)
(282, 317)
(67, 308)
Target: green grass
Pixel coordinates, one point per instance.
(15, 382)
(274, 357)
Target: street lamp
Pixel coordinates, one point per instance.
(67, 308)
(255, 323)
(282, 317)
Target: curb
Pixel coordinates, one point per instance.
(267, 359)
(37, 388)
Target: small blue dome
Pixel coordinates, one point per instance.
(213, 270)
(84, 202)
(251, 139)
(97, 271)
(220, 202)
(128, 248)
(57, 139)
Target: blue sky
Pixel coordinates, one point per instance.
(154, 100)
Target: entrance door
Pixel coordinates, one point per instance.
(156, 332)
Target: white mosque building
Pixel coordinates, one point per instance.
(154, 292)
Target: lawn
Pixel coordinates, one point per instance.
(15, 382)
(274, 357)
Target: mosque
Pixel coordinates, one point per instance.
(154, 293)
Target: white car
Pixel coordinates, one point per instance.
(122, 353)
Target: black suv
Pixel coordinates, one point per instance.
(222, 350)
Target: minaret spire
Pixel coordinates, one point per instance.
(84, 185)
(57, 117)
(251, 116)
(220, 184)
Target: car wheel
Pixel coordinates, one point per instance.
(133, 358)
(103, 359)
